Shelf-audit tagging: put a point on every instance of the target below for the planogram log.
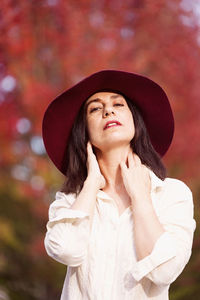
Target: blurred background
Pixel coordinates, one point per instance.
(47, 46)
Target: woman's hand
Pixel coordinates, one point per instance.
(136, 178)
(94, 173)
(86, 199)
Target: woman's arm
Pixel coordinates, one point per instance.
(172, 250)
(147, 228)
(163, 244)
(70, 220)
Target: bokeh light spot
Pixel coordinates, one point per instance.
(96, 19)
(20, 172)
(23, 125)
(107, 44)
(126, 32)
(8, 83)
(19, 147)
(37, 183)
(52, 2)
(37, 145)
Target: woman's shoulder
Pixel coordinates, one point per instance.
(177, 187)
(174, 182)
(63, 196)
(62, 200)
(169, 184)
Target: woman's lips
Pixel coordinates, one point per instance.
(112, 124)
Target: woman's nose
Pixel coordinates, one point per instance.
(108, 111)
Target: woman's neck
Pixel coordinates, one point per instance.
(109, 165)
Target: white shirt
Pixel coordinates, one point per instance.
(102, 263)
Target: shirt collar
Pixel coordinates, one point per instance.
(103, 196)
(156, 182)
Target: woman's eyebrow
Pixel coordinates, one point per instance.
(115, 96)
(93, 100)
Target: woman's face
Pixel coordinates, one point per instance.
(109, 120)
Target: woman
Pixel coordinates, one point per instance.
(123, 229)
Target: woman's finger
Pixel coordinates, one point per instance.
(89, 155)
(90, 152)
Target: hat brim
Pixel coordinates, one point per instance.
(147, 95)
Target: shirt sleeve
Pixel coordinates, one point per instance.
(173, 249)
(67, 234)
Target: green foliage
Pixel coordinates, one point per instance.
(25, 274)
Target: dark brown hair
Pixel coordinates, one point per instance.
(76, 153)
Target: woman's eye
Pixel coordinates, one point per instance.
(94, 109)
(118, 104)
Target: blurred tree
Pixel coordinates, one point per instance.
(45, 47)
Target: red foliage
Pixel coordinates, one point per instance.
(47, 46)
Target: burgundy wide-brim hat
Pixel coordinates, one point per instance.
(147, 95)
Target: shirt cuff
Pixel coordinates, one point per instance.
(163, 251)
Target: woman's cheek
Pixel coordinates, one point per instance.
(92, 131)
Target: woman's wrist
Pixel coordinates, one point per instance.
(91, 183)
(97, 181)
(142, 204)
